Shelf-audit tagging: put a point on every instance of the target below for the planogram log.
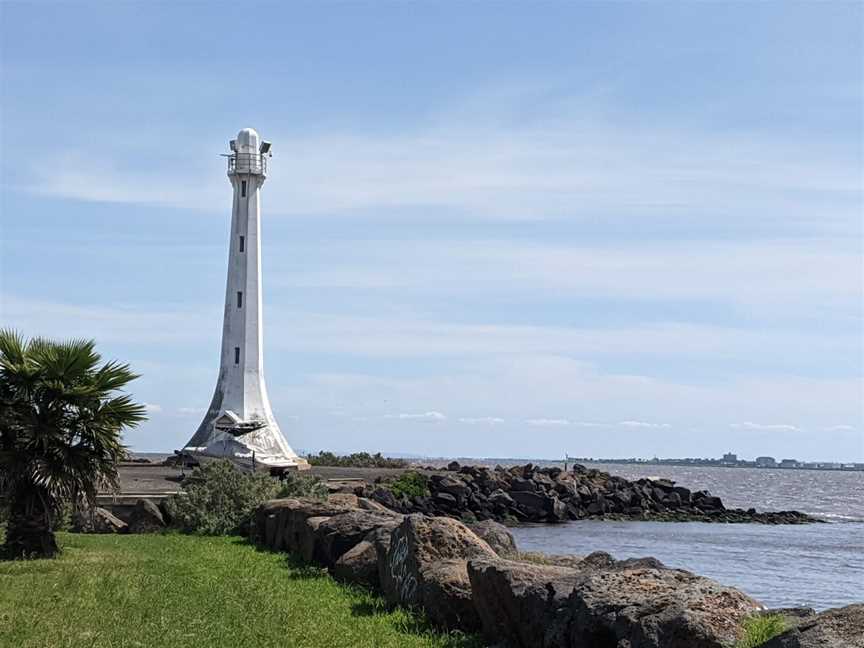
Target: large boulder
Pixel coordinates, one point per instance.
(305, 537)
(281, 524)
(97, 520)
(348, 500)
(359, 565)
(371, 505)
(339, 533)
(146, 518)
(426, 566)
(655, 608)
(522, 604)
(496, 535)
(835, 628)
(450, 485)
(603, 603)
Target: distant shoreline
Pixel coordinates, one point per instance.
(504, 461)
(686, 464)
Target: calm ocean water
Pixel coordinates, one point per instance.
(819, 565)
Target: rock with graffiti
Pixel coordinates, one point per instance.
(426, 565)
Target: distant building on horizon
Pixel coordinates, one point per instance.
(766, 462)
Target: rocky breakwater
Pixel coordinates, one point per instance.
(532, 494)
(471, 578)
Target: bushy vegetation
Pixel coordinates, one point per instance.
(759, 629)
(169, 590)
(300, 485)
(218, 499)
(410, 484)
(356, 460)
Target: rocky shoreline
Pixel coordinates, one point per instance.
(529, 494)
(472, 578)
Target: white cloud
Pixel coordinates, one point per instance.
(191, 411)
(153, 408)
(763, 274)
(644, 424)
(566, 163)
(547, 422)
(780, 427)
(392, 336)
(590, 424)
(426, 416)
(482, 420)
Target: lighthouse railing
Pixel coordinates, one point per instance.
(247, 163)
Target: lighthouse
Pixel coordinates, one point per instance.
(239, 425)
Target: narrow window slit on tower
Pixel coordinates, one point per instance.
(242, 243)
(239, 299)
(243, 188)
(236, 355)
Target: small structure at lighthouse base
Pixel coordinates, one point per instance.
(239, 424)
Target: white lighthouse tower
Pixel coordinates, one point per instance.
(239, 424)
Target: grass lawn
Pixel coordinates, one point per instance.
(176, 590)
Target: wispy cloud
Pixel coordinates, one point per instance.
(547, 422)
(424, 416)
(644, 424)
(481, 420)
(392, 336)
(839, 428)
(779, 427)
(566, 164)
(191, 411)
(761, 276)
(153, 408)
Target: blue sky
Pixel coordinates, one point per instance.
(490, 229)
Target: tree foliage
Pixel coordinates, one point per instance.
(61, 419)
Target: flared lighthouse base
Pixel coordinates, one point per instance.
(243, 457)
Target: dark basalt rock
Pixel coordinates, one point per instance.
(338, 534)
(146, 518)
(97, 520)
(835, 628)
(463, 582)
(603, 603)
(426, 565)
(496, 535)
(531, 494)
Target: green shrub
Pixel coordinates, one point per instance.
(299, 485)
(411, 484)
(356, 460)
(759, 629)
(218, 499)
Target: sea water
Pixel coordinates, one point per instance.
(817, 565)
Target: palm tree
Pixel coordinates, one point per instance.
(60, 425)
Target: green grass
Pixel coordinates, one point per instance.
(759, 629)
(176, 590)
